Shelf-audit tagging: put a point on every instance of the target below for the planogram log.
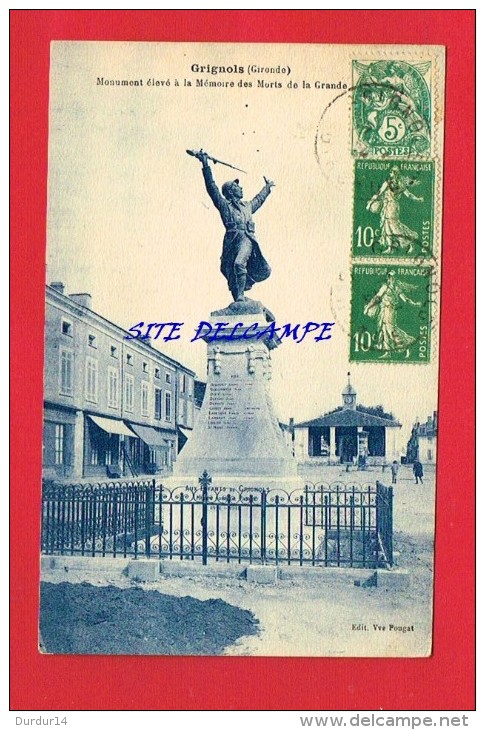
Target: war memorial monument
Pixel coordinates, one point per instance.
(237, 437)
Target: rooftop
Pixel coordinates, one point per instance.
(347, 417)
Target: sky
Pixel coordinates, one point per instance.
(130, 222)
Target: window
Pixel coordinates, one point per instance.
(59, 443)
(66, 327)
(144, 399)
(190, 384)
(144, 366)
(91, 379)
(113, 387)
(129, 390)
(66, 367)
(158, 404)
(92, 340)
(114, 351)
(111, 449)
(168, 406)
(182, 382)
(168, 377)
(157, 372)
(129, 359)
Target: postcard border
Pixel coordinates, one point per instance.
(445, 680)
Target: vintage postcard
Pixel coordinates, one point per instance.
(241, 349)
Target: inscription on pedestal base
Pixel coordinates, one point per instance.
(237, 433)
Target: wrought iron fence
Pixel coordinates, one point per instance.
(333, 524)
(96, 519)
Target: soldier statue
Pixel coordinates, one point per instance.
(242, 262)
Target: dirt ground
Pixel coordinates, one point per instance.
(86, 619)
(331, 618)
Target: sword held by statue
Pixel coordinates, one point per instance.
(196, 153)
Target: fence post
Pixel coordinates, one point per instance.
(263, 527)
(385, 496)
(390, 526)
(378, 519)
(205, 480)
(149, 500)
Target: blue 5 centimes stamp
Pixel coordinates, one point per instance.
(393, 209)
(391, 108)
(391, 313)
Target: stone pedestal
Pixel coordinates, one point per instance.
(237, 437)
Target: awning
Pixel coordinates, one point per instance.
(112, 426)
(150, 436)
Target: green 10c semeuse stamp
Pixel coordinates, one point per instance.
(391, 313)
(393, 209)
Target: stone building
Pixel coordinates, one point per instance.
(345, 434)
(422, 444)
(112, 406)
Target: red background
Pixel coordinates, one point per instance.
(446, 680)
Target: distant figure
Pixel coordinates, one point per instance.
(362, 462)
(394, 471)
(418, 471)
(242, 262)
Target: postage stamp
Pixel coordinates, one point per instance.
(393, 208)
(391, 313)
(391, 108)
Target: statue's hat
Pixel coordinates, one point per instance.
(226, 188)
